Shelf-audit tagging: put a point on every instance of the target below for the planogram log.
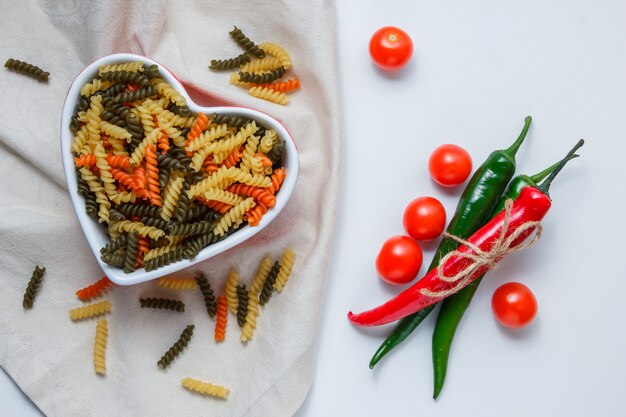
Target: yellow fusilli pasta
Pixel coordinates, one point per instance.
(140, 152)
(93, 119)
(101, 198)
(137, 227)
(222, 196)
(205, 388)
(268, 141)
(171, 195)
(231, 291)
(233, 216)
(99, 347)
(105, 170)
(231, 142)
(95, 86)
(114, 131)
(168, 91)
(268, 94)
(136, 66)
(175, 243)
(91, 310)
(259, 65)
(207, 137)
(259, 278)
(249, 159)
(80, 139)
(256, 180)
(277, 51)
(177, 283)
(250, 324)
(221, 178)
(289, 258)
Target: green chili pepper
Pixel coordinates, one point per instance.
(473, 210)
(453, 307)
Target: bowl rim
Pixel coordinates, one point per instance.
(91, 228)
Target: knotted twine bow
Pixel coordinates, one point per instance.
(481, 258)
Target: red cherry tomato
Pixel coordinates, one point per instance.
(514, 305)
(399, 260)
(391, 48)
(450, 165)
(424, 218)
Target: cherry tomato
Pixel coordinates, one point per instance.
(450, 165)
(424, 218)
(399, 260)
(514, 305)
(391, 48)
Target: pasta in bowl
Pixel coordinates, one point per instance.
(159, 183)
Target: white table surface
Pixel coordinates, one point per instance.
(479, 67)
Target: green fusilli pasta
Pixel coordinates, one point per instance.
(33, 287)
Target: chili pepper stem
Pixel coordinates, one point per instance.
(540, 176)
(545, 185)
(512, 150)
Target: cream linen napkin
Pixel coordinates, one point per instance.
(49, 356)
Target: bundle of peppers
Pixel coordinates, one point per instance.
(494, 207)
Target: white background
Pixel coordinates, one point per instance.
(478, 68)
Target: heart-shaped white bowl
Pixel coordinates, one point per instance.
(93, 231)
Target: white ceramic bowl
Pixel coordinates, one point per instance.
(93, 231)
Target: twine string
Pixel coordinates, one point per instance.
(483, 258)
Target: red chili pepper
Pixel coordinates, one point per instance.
(531, 206)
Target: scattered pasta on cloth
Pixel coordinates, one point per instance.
(54, 359)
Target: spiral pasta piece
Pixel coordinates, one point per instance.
(139, 153)
(259, 278)
(254, 215)
(262, 195)
(25, 68)
(169, 92)
(277, 51)
(262, 78)
(249, 324)
(176, 348)
(284, 86)
(162, 304)
(268, 285)
(256, 180)
(267, 141)
(139, 94)
(269, 95)
(114, 131)
(234, 141)
(136, 66)
(96, 85)
(231, 291)
(132, 246)
(222, 196)
(105, 171)
(152, 171)
(99, 346)
(33, 287)
(268, 63)
(277, 178)
(229, 64)
(207, 294)
(94, 290)
(205, 388)
(219, 179)
(91, 310)
(93, 120)
(242, 304)
(233, 215)
(174, 255)
(284, 273)
(137, 227)
(249, 161)
(246, 44)
(101, 198)
(143, 246)
(125, 77)
(171, 196)
(177, 283)
(221, 319)
(207, 137)
(80, 139)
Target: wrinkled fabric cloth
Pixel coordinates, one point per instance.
(48, 355)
